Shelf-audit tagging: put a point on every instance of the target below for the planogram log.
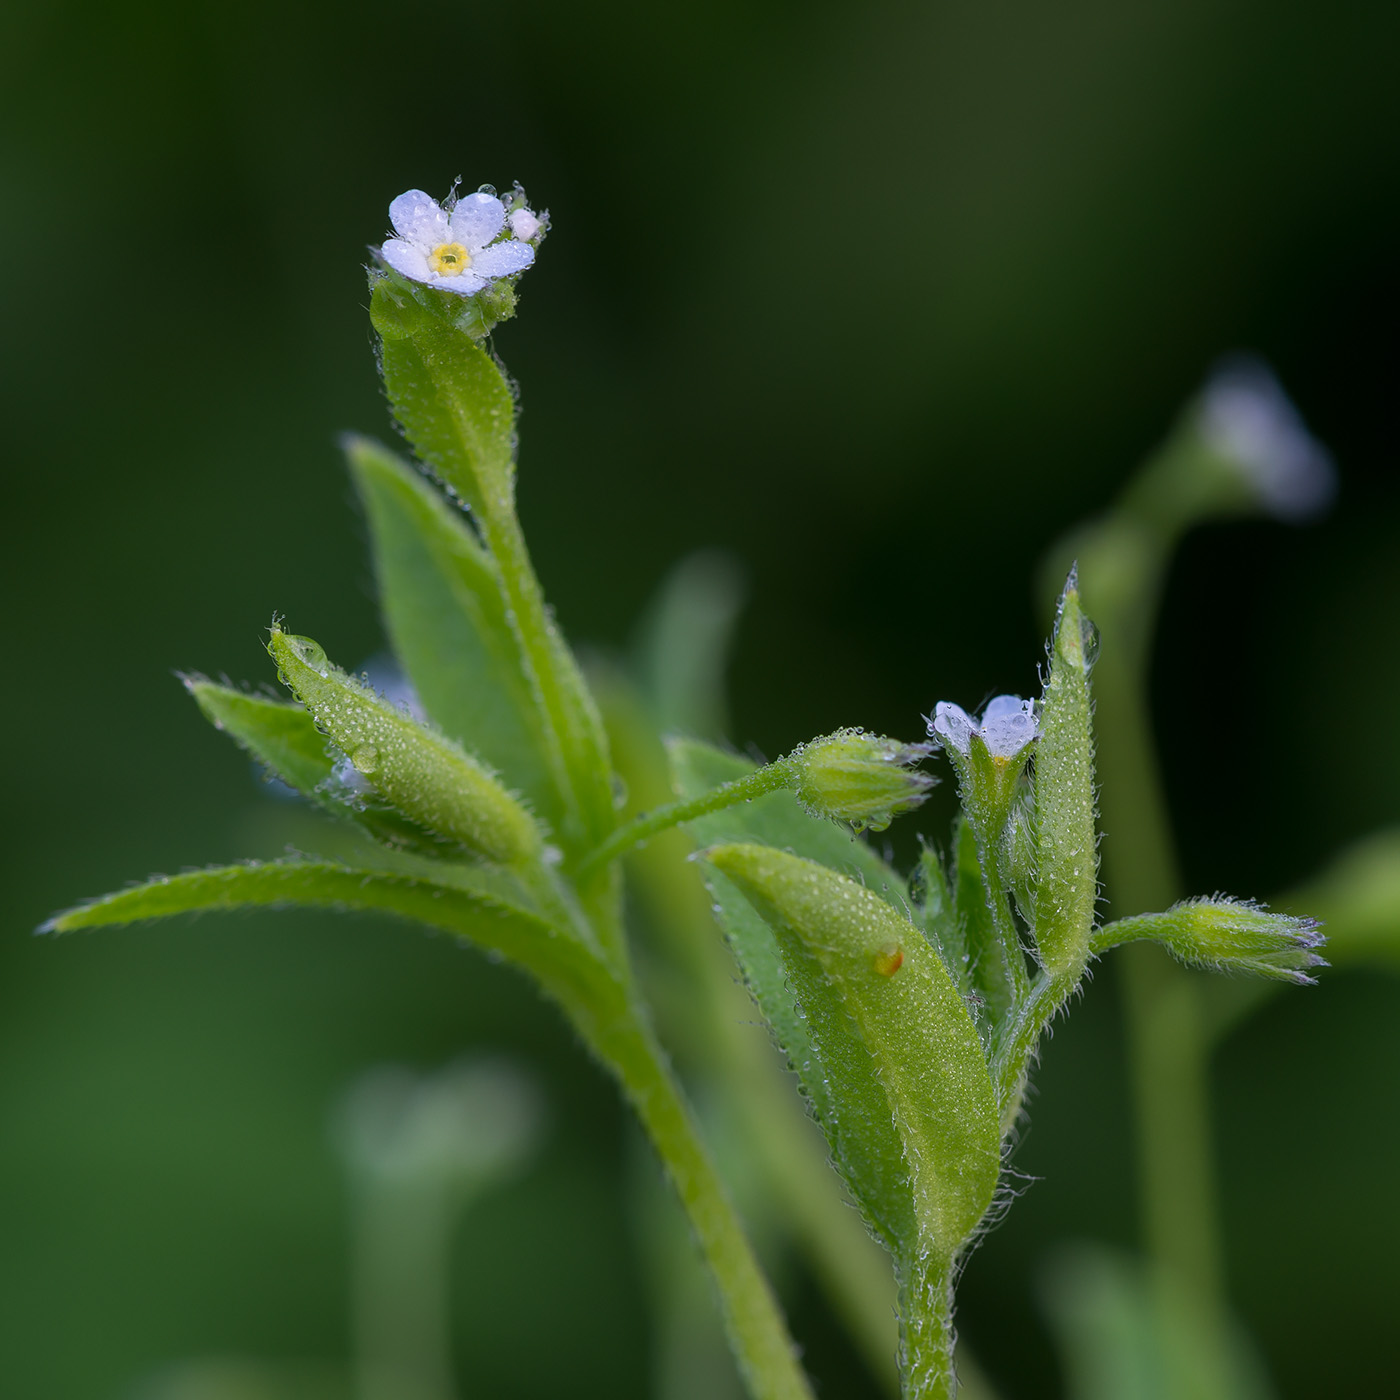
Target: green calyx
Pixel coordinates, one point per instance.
(427, 777)
(400, 309)
(1227, 935)
(861, 778)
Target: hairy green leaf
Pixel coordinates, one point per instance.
(477, 910)
(809, 1023)
(446, 614)
(285, 740)
(456, 409)
(1066, 842)
(923, 1049)
(425, 775)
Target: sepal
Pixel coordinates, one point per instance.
(285, 740)
(861, 778)
(425, 775)
(400, 308)
(1227, 935)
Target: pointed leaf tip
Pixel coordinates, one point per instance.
(426, 776)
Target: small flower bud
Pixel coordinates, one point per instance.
(1227, 935)
(861, 778)
(524, 224)
(417, 770)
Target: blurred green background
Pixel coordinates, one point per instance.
(880, 299)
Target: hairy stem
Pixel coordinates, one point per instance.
(764, 780)
(926, 1331)
(995, 885)
(1012, 1059)
(757, 1332)
(561, 694)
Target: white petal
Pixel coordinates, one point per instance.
(405, 258)
(1002, 707)
(502, 259)
(419, 218)
(1008, 725)
(951, 724)
(476, 220)
(465, 284)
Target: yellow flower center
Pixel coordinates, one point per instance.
(449, 259)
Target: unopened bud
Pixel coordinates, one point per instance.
(1227, 935)
(524, 224)
(423, 774)
(861, 778)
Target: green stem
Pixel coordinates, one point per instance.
(1167, 1048)
(401, 1315)
(764, 780)
(994, 884)
(757, 1332)
(1012, 1059)
(926, 1331)
(561, 694)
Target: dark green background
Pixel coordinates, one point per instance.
(880, 299)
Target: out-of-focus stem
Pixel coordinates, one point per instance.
(400, 1272)
(1167, 1041)
(766, 1355)
(711, 1024)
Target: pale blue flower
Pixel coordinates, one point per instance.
(453, 249)
(1008, 724)
(1247, 418)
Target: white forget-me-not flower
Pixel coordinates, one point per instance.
(1247, 418)
(454, 250)
(1008, 724)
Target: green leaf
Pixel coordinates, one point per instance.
(684, 644)
(457, 410)
(923, 1050)
(424, 775)
(818, 1037)
(446, 615)
(284, 738)
(1066, 842)
(1358, 899)
(477, 911)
